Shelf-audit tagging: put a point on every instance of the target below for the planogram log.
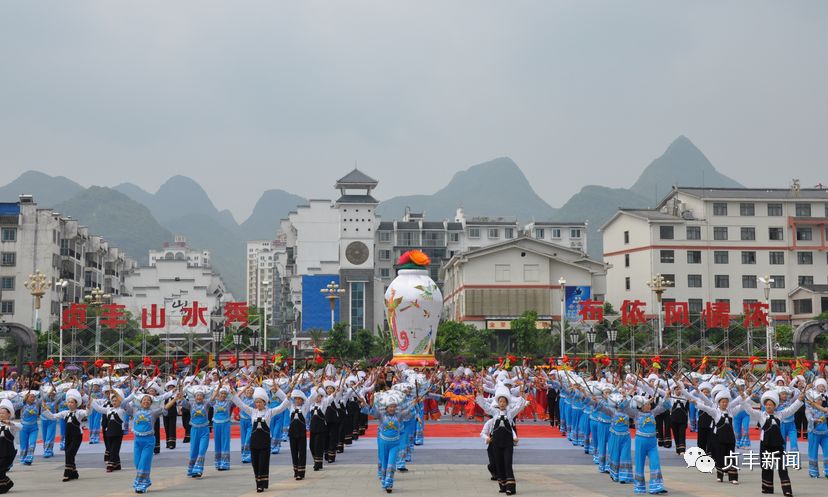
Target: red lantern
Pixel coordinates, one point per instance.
(48, 363)
(187, 361)
(99, 363)
(233, 360)
(319, 359)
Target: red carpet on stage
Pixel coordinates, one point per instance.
(436, 429)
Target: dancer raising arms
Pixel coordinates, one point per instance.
(260, 417)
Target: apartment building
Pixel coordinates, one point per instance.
(716, 244)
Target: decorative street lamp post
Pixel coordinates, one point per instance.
(96, 298)
(217, 323)
(255, 343)
(658, 284)
(591, 334)
(332, 292)
(612, 336)
(60, 287)
(562, 284)
(574, 335)
(237, 339)
(37, 285)
(767, 281)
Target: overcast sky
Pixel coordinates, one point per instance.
(245, 96)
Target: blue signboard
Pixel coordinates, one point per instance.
(574, 295)
(316, 309)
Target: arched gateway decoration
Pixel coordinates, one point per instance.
(26, 341)
(806, 334)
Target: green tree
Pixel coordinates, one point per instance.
(337, 344)
(363, 343)
(452, 337)
(525, 332)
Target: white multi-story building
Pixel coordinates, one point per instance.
(491, 286)
(331, 241)
(37, 239)
(175, 284)
(572, 235)
(179, 250)
(262, 276)
(716, 243)
(440, 240)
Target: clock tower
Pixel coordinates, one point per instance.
(357, 221)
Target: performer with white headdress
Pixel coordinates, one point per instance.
(391, 412)
(29, 414)
(143, 417)
(260, 437)
(114, 415)
(9, 429)
(770, 438)
(74, 416)
(501, 433)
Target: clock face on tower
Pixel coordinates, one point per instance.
(356, 253)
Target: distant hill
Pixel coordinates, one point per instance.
(136, 220)
(681, 164)
(494, 188)
(44, 188)
(227, 247)
(124, 222)
(272, 206)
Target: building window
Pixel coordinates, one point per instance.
(720, 233)
(667, 256)
(804, 257)
(804, 234)
(385, 255)
(695, 306)
(626, 237)
(694, 257)
(778, 305)
(748, 233)
(556, 233)
(357, 306)
(776, 234)
(8, 259)
(454, 237)
(749, 281)
(574, 233)
(509, 233)
(503, 272)
(626, 260)
(803, 306)
(531, 272)
(722, 281)
(694, 232)
(666, 232)
(474, 232)
(778, 281)
(803, 210)
(805, 280)
(776, 257)
(719, 208)
(694, 281)
(7, 283)
(748, 257)
(493, 233)
(385, 236)
(774, 209)
(747, 209)
(720, 257)
(627, 283)
(9, 234)
(7, 307)
(385, 272)
(539, 233)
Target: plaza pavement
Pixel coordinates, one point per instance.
(444, 466)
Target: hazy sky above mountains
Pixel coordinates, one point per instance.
(245, 96)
